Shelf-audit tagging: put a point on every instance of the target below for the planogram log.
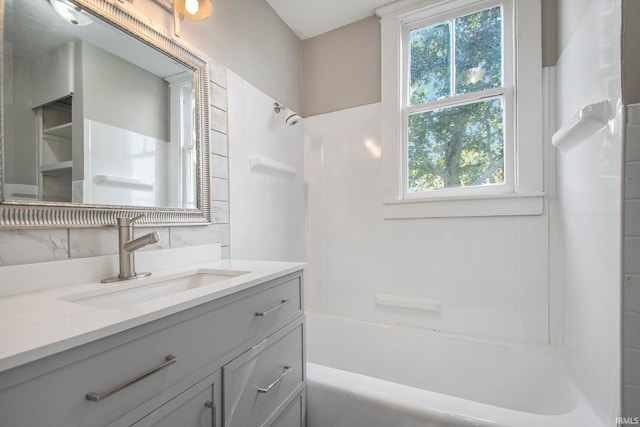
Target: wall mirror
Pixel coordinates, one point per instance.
(102, 117)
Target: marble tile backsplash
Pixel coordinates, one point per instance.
(25, 246)
(89, 242)
(29, 246)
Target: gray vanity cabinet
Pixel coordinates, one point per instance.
(243, 340)
(199, 406)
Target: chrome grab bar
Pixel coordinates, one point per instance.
(209, 404)
(273, 384)
(97, 397)
(271, 310)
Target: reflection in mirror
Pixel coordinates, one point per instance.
(94, 116)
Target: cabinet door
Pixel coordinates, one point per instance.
(199, 406)
(264, 378)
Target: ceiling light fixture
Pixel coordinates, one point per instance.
(70, 12)
(192, 9)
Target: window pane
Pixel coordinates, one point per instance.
(430, 63)
(478, 50)
(458, 146)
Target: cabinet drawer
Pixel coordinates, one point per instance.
(293, 416)
(260, 381)
(263, 310)
(59, 396)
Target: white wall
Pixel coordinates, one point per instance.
(267, 206)
(586, 215)
(489, 273)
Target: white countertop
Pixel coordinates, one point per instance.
(38, 324)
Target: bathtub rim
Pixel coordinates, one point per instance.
(580, 405)
(443, 407)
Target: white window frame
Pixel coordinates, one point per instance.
(522, 192)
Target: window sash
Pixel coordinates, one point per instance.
(431, 16)
(509, 152)
(450, 18)
(452, 101)
(506, 92)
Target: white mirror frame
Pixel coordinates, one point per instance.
(23, 214)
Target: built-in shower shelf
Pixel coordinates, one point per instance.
(410, 302)
(587, 121)
(259, 163)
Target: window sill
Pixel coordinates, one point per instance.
(470, 206)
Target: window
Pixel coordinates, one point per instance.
(183, 132)
(458, 137)
(454, 103)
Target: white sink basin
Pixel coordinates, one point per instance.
(126, 294)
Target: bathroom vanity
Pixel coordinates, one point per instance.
(219, 343)
(201, 342)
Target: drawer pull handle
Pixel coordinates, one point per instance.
(271, 310)
(209, 404)
(273, 384)
(97, 397)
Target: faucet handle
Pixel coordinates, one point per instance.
(126, 221)
(136, 218)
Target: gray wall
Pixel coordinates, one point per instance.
(341, 68)
(549, 32)
(21, 155)
(250, 39)
(120, 94)
(630, 51)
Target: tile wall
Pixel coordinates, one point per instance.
(631, 288)
(25, 246)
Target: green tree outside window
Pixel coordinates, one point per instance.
(460, 145)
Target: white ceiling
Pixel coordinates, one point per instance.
(33, 28)
(309, 18)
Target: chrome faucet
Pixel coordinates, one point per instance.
(127, 245)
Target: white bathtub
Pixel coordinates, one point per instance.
(366, 375)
